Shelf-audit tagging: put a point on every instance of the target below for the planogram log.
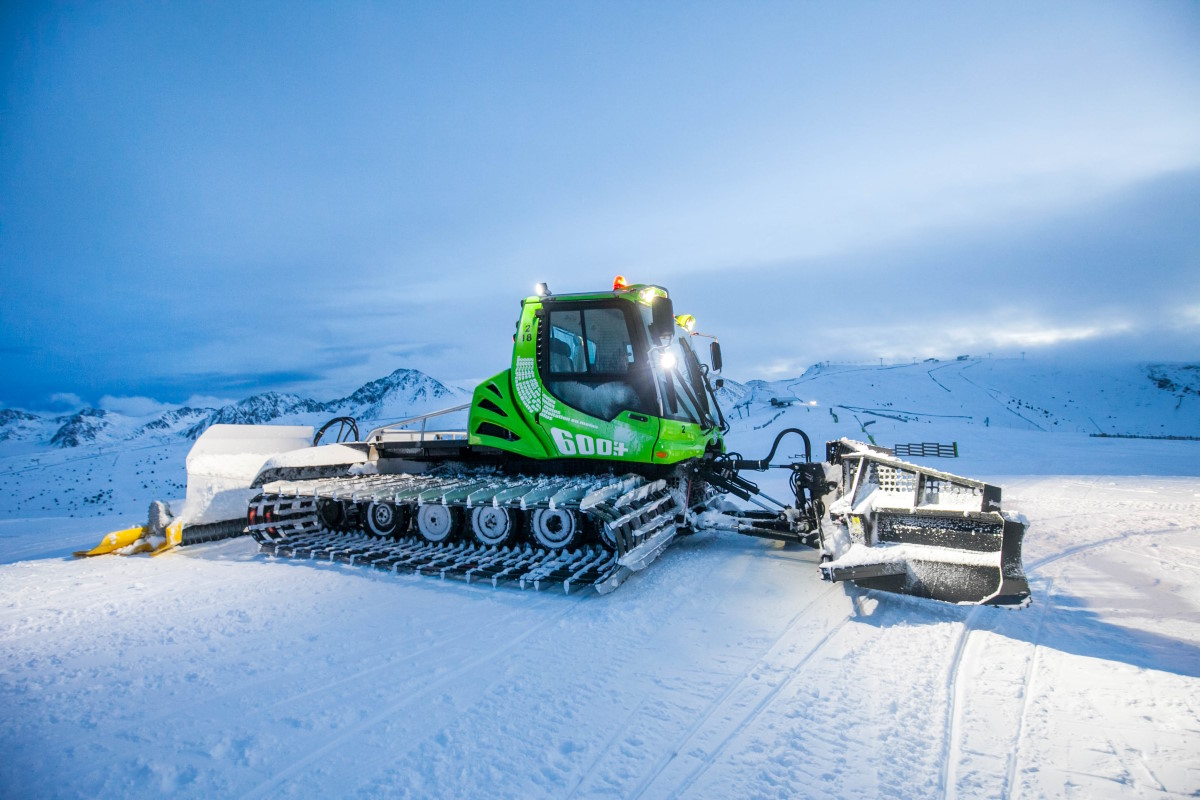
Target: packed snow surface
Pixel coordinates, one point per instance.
(726, 669)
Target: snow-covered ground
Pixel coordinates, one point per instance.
(727, 669)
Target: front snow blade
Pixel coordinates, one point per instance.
(914, 530)
(117, 540)
(159, 534)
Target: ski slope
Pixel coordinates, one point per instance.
(727, 669)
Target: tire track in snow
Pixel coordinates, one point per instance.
(712, 708)
(762, 706)
(465, 632)
(244, 686)
(621, 728)
(276, 780)
(1109, 507)
(1169, 565)
(622, 653)
(1083, 548)
(948, 777)
(117, 592)
(1011, 791)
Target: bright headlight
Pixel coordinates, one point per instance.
(666, 360)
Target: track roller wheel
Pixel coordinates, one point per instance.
(493, 526)
(386, 519)
(438, 523)
(336, 515)
(554, 528)
(607, 537)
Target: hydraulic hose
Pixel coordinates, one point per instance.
(765, 463)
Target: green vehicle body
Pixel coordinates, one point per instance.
(577, 390)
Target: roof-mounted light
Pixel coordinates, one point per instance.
(647, 294)
(619, 284)
(541, 289)
(686, 321)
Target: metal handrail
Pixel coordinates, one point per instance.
(377, 433)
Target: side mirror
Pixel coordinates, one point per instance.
(714, 352)
(662, 324)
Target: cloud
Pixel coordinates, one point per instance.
(134, 406)
(64, 401)
(948, 338)
(1188, 317)
(1035, 335)
(420, 350)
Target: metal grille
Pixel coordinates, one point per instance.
(943, 488)
(927, 450)
(901, 485)
(892, 480)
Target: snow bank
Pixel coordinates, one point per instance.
(224, 461)
(323, 456)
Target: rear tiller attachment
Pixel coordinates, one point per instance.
(906, 528)
(894, 526)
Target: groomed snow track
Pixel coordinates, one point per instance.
(619, 524)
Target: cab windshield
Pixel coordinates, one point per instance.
(680, 379)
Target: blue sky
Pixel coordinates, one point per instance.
(216, 199)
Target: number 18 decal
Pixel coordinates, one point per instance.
(584, 445)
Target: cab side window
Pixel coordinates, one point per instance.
(566, 342)
(609, 350)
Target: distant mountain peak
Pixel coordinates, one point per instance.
(82, 427)
(405, 385)
(170, 421)
(257, 409)
(17, 424)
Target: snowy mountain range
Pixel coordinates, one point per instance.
(1007, 415)
(1119, 399)
(400, 394)
(1098, 400)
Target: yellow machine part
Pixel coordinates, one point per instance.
(119, 540)
(174, 538)
(114, 541)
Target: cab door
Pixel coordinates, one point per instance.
(600, 399)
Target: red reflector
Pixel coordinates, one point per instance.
(619, 283)
(661, 454)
